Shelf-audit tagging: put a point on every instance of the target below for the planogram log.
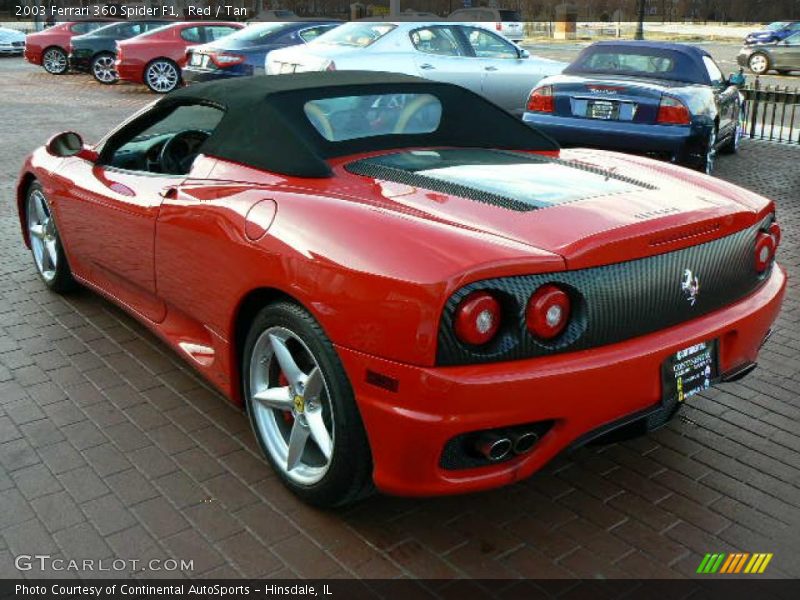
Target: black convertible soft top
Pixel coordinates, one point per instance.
(265, 126)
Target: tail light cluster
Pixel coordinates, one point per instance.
(226, 59)
(479, 316)
(541, 100)
(766, 244)
(672, 111)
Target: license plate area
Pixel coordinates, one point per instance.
(689, 371)
(198, 60)
(603, 109)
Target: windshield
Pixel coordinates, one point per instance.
(777, 25)
(357, 35)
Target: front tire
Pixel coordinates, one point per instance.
(758, 63)
(48, 253)
(102, 68)
(54, 61)
(302, 409)
(162, 76)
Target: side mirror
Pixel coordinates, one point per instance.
(524, 53)
(69, 143)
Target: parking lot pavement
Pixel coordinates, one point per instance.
(111, 448)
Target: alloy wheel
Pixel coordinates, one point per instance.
(162, 76)
(54, 61)
(43, 236)
(291, 405)
(103, 69)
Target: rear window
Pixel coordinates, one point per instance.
(357, 35)
(256, 32)
(628, 62)
(509, 15)
(351, 117)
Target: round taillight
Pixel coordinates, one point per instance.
(548, 312)
(775, 232)
(477, 318)
(765, 250)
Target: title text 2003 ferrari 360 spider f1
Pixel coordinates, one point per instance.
(399, 299)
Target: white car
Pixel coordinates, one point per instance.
(11, 41)
(504, 21)
(468, 55)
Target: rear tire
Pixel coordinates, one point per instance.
(162, 76)
(758, 63)
(731, 145)
(284, 352)
(54, 60)
(102, 68)
(706, 162)
(46, 249)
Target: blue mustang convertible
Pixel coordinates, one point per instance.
(662, 99)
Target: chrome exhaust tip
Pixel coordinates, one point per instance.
(524, 441)
(493, 447)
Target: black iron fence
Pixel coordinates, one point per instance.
(772, 113)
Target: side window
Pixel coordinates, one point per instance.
(314, 32)
(83, 27)
(714, 74)
(437, 40)
(165, 141)
(191, 34)
(216, 32)
(485, 44)
(793, 40)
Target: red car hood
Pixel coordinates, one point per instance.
(629, 208)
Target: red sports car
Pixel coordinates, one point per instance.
(402, 284)
(50, 47)
(155, 58)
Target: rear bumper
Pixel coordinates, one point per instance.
(581, 392)
(618, 135)
(79, 63)
(33, 55)
(190, 75)
(129, 72)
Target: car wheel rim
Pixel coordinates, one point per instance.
(54, 61)
(43, 236)
(758, 64)
(162, 76)
(711, 152)
(291, 405)
(104, 69)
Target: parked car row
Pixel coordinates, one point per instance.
(663, 99)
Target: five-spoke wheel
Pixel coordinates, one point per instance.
(302, 409)
(51, 263)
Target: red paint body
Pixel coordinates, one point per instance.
(375, 262)
(136, 53)
(58, 36)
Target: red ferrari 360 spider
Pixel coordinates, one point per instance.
(401, 283)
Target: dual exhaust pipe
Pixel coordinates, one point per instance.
(495, 446)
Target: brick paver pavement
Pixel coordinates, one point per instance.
(110, 447)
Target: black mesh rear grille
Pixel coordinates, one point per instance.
(612, 303)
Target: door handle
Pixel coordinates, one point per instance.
(427, 66)
(490, 68)
(169, 193)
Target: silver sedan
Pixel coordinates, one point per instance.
(11, 41)
(465, 54)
